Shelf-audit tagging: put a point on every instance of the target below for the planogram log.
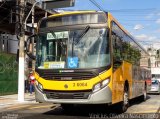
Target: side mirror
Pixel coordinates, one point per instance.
(29, 46)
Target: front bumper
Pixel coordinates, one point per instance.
(103, 96)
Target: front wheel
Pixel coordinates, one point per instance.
(125, 103)
(67, 106)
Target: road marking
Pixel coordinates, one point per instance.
(17, 107)
(45, 106)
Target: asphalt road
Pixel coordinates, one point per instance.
(150, 109)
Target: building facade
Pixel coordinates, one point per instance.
(155, 62)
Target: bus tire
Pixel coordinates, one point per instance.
(67, 107)
(144, 96)
(125, 103)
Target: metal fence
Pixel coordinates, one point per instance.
(8, 74)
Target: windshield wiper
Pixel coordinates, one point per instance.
(75, 42)
(82, 34)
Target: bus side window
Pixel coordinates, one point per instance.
(117, 49)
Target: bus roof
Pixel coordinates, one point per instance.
(71, 12)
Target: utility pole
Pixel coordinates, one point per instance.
(21, 52)
(22, 38)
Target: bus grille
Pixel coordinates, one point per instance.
(68, 75)
(67, 95)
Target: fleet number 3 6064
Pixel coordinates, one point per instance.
(80, 84)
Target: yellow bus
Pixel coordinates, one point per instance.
(86, 57)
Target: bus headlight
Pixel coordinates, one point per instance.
(97, 87)
(105, 83)
(39, 85)
(100, 85)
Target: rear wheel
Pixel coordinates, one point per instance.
(144, 96)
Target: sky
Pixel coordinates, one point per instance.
(140, 17)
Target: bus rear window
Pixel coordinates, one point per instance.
(73, 20)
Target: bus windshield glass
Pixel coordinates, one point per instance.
(87, 48)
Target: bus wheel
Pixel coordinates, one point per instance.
(144, 96)
(125, 103)
(67, 107)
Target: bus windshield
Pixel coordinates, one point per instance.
(73, 49)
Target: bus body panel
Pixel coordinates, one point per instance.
(120, 75)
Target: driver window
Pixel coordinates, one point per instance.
(117, 35)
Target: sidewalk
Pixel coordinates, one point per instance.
(9, 100)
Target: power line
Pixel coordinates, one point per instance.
(133, 10)
(96, 4)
